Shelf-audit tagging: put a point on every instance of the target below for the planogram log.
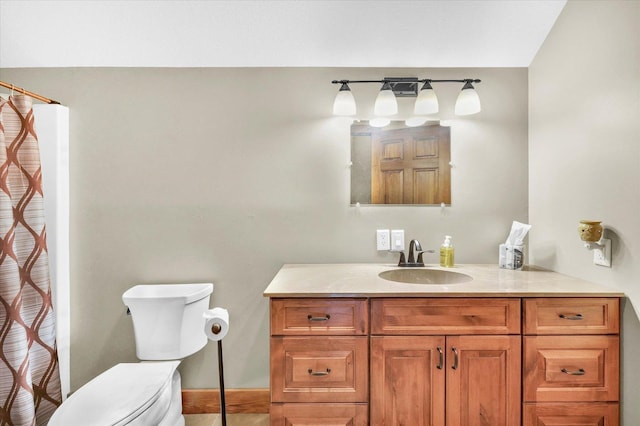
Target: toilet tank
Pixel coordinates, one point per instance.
(167, 319)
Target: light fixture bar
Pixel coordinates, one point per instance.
(467, 103)
(405, 80)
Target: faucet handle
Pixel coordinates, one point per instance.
(423, 252)
(402, 261)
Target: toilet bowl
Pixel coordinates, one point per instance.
(168, 326)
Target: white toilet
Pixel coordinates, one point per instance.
(168, 326)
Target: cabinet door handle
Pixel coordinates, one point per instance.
(575, 317)
(319, 373)
(440, 358)
(324, 318)
(580, 372)
(455, 358)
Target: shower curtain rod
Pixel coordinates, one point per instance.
(28, 93)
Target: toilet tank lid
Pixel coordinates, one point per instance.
(187, 292)
(116, 396)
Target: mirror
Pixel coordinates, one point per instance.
(398, 164)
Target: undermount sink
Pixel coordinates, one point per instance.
(425, 276)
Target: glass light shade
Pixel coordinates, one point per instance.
(386, 103)
(344, 103)
(427, 101)
(468, 101)
(415, 121)
(379, 122)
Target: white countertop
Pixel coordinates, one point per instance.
(362, 280)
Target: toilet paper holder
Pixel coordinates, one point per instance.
(216, 328)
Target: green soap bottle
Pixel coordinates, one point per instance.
(446, 253)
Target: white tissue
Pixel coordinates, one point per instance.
(212, 319)
(511, 253)
(517, 234)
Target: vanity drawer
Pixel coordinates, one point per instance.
(437, 316)
(319, 369)
(572, 316)
(571, 368)
(290, 317)
(319, 414)
(594, 414)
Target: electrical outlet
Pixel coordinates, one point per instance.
(382, 239)
(602, 256)
(397, 240)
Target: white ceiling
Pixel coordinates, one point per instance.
(249, 33)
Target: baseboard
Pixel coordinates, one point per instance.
(237, 401)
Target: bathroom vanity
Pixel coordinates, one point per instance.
(504, 347)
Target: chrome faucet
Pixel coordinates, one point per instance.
(414, 245)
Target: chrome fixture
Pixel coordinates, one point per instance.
(386, 104)
(414, 245)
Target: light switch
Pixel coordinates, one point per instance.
(397, 240)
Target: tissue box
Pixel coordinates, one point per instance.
(511, 257)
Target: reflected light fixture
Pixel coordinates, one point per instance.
(379, 122)
(426, 103)
(415, 121)
(344, 104)
(468, 101)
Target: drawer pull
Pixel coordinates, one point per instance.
(455, 358)
(440, 358)
(324, 318)
(580, 372)
(319, 373)
(571, 317)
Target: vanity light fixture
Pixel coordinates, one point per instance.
(344, 103)
(468, 101)
(386, 103)
(427, 101)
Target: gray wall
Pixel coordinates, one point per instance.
(223, 175)
(584, 156)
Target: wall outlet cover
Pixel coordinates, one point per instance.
(602, 256)
(383, 241)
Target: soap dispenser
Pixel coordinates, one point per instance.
(446, 253)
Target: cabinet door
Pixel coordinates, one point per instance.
(483, 380)
(407, 380)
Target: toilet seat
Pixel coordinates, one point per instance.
(126, 394)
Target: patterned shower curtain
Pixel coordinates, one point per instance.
(29, 378)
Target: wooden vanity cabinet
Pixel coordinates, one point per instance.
(571, 361)
(319, 362)
(445, 361)
(470, 375)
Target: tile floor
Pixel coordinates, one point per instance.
(232, 420)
